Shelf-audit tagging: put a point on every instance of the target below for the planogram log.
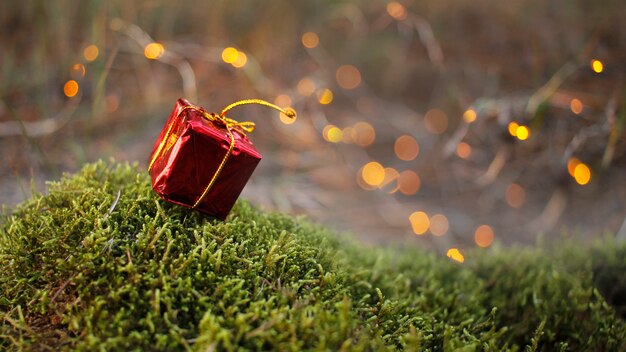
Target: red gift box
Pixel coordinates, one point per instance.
(203, 160)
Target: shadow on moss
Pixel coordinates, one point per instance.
(102, 263)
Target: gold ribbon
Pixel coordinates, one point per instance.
(229, 124)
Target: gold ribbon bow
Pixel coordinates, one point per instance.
(229, 124)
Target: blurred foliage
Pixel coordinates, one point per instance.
(421, 66)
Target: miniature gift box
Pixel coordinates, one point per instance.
(203, 160)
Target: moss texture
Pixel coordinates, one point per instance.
(102, 263)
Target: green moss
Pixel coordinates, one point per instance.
(84, 269)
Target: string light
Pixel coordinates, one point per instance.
(284, 100)
(483, 236)
(154, 51)
(70, 88)
(515, 195)
(306, 87)
(597, 66)
(332, 133)
(406, 148)
(349, 135)
(310, 40)
(373, 173)
(325, 96)
(576, 106)
(522, 133)
(513, 128)
(78, 70)
(436, 121)
(455, 254)
(365, 134)
(391, 178)
(469, 115)
(439, 224)
(463, 150)
(348, 77)
(571, 165)
(229, 55)
(409, 182)
(582, 174)
(419, 222)
(91, 52)
(241, 60)
(396, 10)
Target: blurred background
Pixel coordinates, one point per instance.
(444, 124)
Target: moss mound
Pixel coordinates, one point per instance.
(102, 263)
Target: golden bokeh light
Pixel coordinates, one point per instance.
(229, 55)
(571, 165)
(325, 96)
(365, 134)
(91, 52)
(310, 40)
(483, 236)
(439, 224)
(70, 88)
(390, 182)
(409, 182)
(463, 150)
(455, 254)
(373, 173)
(332, 133)
(78, 71)
(396, 10)
(241, 60)
(153, 51)
(576, 106)
(349, 135)
(597, 66)
(513, 128)
(515, 195)
(306, 87)
(522, 133)
(419, 222)
(362, 183)
(582, 174)
(406, 148)
(348, 77)
(470, 115)
(436, 121)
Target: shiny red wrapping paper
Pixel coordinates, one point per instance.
(186, 162)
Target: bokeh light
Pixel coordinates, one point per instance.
(436, 121)
(373, 173)
(515, 195)
(463, 150)
(112, 103)
(513, 126)
(229, 55)
(153, 51)
(70, 88)
(306, 87)
(419, 222)
(241, 60)
(283, 100)
(325, 96)
(470, 115)
(332, 133)
(396, 10)
(571, 165)
(439, 224)
(576, 106)
(406, 148)
(582, 174)
(91, 52)
(390, 181)
(455, 254)
(310, 40)
(365, 134)
(522, 133)
(409, 182)
(597, 66)
(483, 236)
(348, 77)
